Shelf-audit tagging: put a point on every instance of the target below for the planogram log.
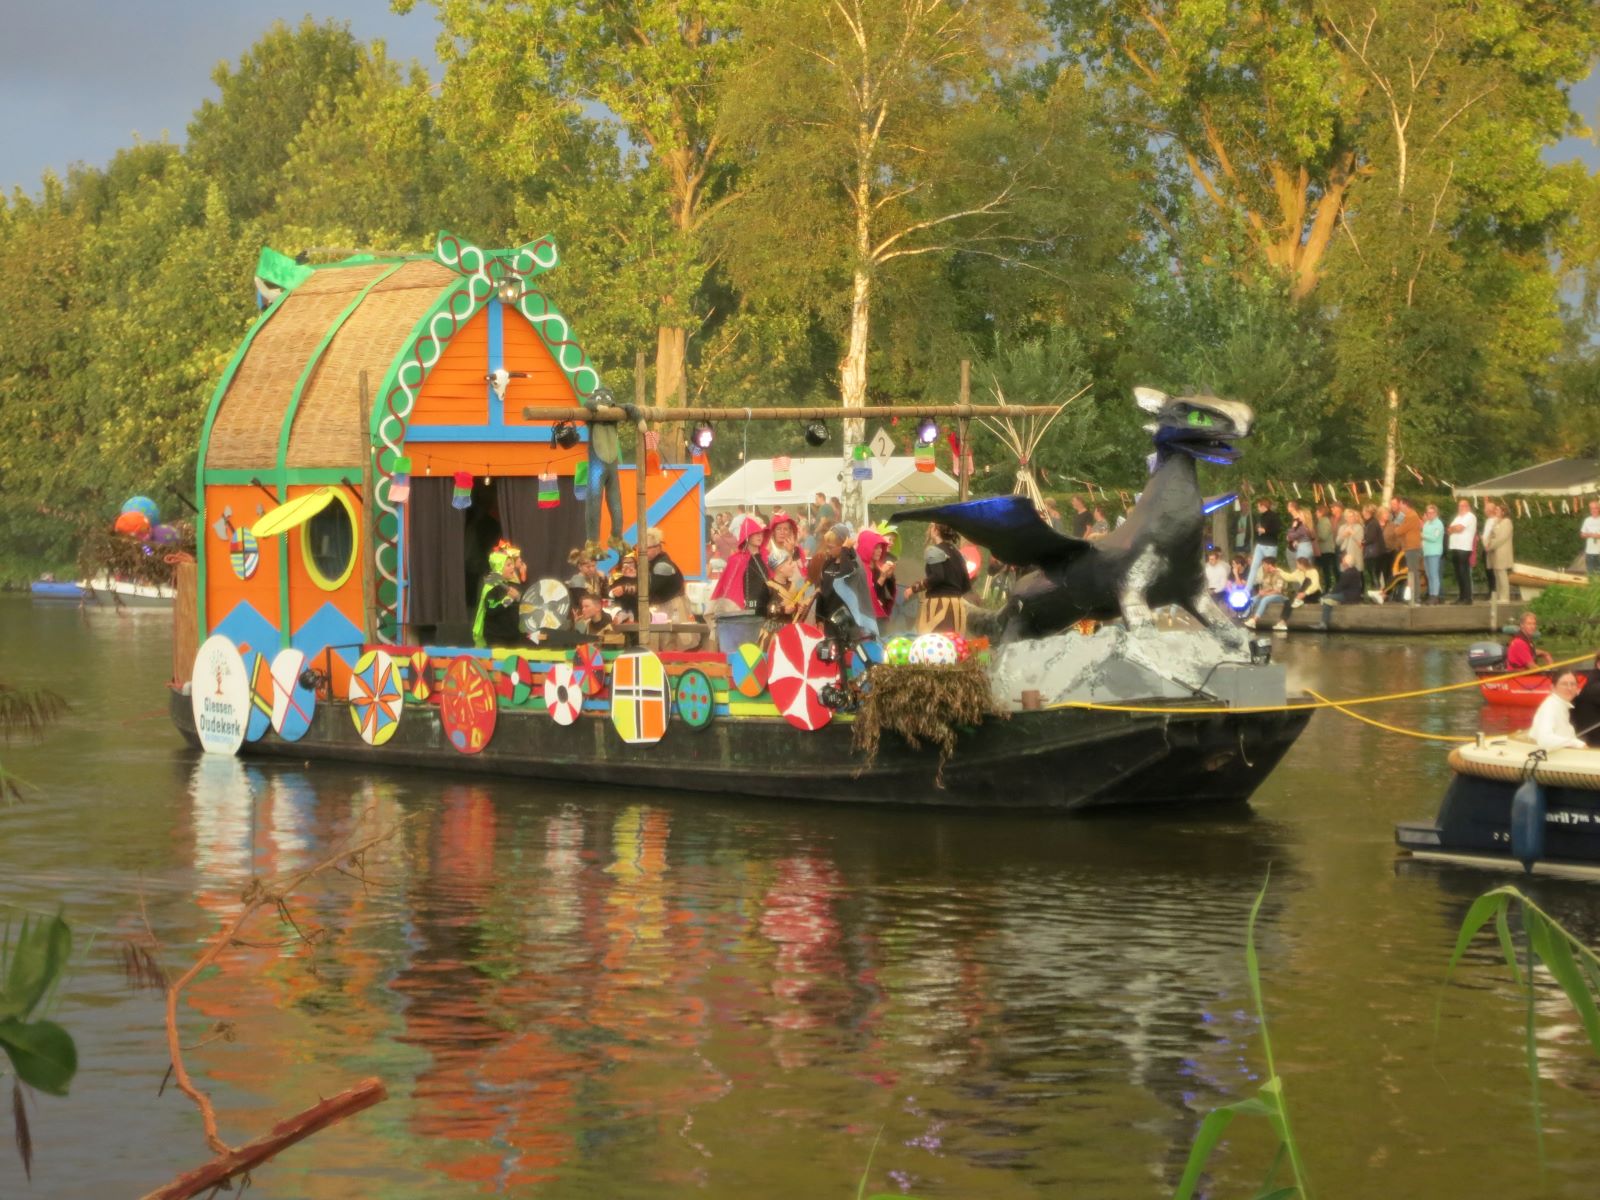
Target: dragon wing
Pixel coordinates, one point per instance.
(1009, 526)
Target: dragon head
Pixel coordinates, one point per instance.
(1202, 427)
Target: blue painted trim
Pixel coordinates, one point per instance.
(495, 312)
(402, 593)
(488, 433)
(692, 479)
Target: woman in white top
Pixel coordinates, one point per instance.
(1552, 722)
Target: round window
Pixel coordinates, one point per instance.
(328, 544)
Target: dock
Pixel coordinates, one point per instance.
(1481, 616)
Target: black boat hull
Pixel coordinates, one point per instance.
(1474, 826)
(1061, 759)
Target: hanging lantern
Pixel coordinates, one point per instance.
(780, 474)
(400, 481)
(461, 496)
(580, 480)
(549, 491)
(924, 457)
(652, 454)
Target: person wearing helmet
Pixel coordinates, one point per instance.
(498, 597)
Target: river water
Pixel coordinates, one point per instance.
(598, 993)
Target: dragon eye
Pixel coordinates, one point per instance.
(1196, 417)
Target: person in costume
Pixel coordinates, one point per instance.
(872, 548)
(592, 618)
(944, 584)
(623, 590)
(498, 596)
(586, 576)
(739, 601)
(832, 562)
(603, 479)
(783, 537)
(668, 595)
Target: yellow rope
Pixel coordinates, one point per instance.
(1416, 733)
(1264, 708)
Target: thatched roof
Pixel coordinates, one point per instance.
(326, 429)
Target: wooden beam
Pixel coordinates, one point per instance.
(641, 530)
(829, 412)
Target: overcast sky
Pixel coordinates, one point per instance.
(80, 78)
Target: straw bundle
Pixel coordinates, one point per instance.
(923, 705)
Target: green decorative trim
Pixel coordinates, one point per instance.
(312, 363)
(202, 524)
(272, 478)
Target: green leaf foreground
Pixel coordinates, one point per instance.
(1268, 1102)
(32, 963)
(1546, 942)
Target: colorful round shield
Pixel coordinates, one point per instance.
(514, 679)
(544, 606)
(696, 702)
(292, 701)
(419, 676)
(243, 553)
(562, 695)
(220, 696)
(589, 670)
(259, 671)
(375, 697)
(797, 675)
(467, 707)
(866, 655)
(933, 650)
(639, 697)
(898, 652)
(749, 668)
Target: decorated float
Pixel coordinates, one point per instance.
(386, 417)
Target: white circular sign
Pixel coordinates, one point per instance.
(220, 696)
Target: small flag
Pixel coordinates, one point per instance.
(549, 492)
(780, 474)
(580, 480)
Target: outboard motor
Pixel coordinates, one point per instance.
(1486, 656)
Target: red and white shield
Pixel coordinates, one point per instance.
(796, 676)
(562, 695)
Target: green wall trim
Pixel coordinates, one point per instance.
(202, 523)
(272, 478)
(312, 363)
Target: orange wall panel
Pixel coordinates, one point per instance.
(224, 588)
(455, 391)
(493, 458)
(547, 384)
(682, 528)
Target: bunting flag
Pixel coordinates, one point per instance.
(461, 496)
(580, 480)
(780, 474)
(549, 491)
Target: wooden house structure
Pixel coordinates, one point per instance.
(398, 385)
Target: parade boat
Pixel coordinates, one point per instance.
(341, 532)
(1508, 689)
(1511, 805)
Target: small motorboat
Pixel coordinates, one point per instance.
(56, 589)
(106, 590)
(1512, 805)
(1512, 690)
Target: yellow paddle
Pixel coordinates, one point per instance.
(293, 513)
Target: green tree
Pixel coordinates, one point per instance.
(525, 78)
(878, 133)
(243, 139)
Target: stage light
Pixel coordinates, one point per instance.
(816, 433)
(703, 436)
(927, 431)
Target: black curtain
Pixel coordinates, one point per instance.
(544, 535)
(436, 554)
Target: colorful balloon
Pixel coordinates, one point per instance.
(145, 505)
(133, 524)
(933, 650)
(898, 652)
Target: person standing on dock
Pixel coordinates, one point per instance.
(1498, 552)
(1327, 551)
(1433, 552)
(1590, 532)
(1463, 532)
(1268, 529)
(1404, 536)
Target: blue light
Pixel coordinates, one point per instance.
(1238, 599)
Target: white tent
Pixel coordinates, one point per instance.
(894, 481)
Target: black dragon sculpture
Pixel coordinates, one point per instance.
(1151, 560)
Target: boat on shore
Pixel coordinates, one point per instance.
(1513, 806)
(106, 590)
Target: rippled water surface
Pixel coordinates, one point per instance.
(606, 993)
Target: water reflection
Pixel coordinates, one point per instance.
(581, 993)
